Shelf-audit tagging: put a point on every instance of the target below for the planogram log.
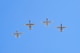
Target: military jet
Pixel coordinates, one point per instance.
(17, 34)
(61, 28)
(47, 22)
(30, 25)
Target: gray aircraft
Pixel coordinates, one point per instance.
(30, 25)
(17, 34)
(61, 28)
(47, 22)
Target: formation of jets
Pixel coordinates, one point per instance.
(47, 22)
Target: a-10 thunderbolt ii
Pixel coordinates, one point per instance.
(17, 34)
(61, 28)
(30, 25)
(47, 22)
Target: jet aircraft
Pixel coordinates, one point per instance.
(61, 28)
(30, 25)
(47, 22)
(17, 34)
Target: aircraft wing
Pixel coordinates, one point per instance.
(29, 24)
(49, 21)
(44, 22)
(14, 33)
(32, 24)
(64, 27)
(20, 33)
(58, 27)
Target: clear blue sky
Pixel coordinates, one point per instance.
(15, 13)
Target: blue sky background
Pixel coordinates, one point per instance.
(15, 13)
